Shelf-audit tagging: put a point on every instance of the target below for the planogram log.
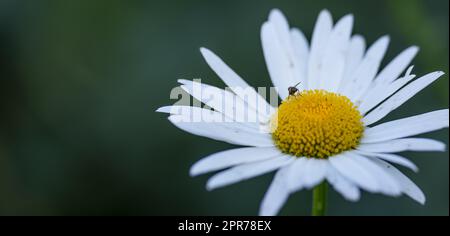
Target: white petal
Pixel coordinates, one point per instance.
(408, 187)
(407, 127)
(361, 79)
(228, 158)
(316, 171)
(295, 174)
(212, 96)
(380, 92)
(234, 81)
(282, 33)
(345, 164)
(400, 97)
(333, 62)
(246, 171)
(176, 109)
(345, 187)
(392, 158)
(183, 110)
(228, 76)
(198, 114)
(401, 145)
(353, 58)
(190, 111)
(396, 66)
(306, 173)
(387, 184)
(223, 101)
(281, 60)
(301, 50)
(365, 173)
(233, 133)
(276, 61)
(276, 195)
(321, 33)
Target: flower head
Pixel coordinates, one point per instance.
(326, 130)
(317, 124)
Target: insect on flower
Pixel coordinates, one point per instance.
(293, 90)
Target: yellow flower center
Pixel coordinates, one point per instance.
(316, 123)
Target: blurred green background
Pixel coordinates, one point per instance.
(80, 81)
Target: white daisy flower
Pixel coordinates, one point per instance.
(324, 131)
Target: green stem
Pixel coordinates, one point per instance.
(319, 204)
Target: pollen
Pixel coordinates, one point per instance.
(316, 124)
